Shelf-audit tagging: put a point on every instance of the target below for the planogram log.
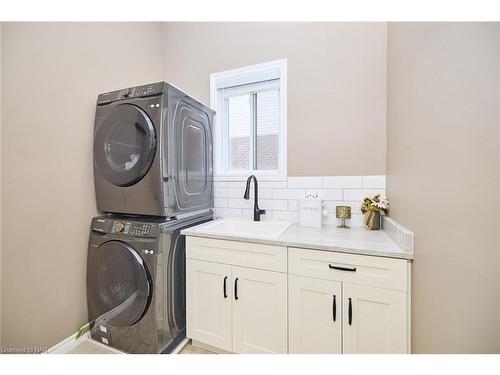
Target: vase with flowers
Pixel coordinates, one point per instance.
(372, 207)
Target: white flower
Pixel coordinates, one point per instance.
(380, 205)
(380, 201)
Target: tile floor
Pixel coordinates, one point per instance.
(190, 349)
(91, 347)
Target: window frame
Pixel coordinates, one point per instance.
(243, 76)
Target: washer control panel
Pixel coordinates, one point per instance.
(126, 227)
(132, 229)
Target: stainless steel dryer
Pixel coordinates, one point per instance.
(152, 152)
(136, 290)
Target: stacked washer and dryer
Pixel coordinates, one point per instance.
(153, 177)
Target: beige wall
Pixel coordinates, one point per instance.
(336, 84)
(52, 74)
(443, 178)
(0, 184)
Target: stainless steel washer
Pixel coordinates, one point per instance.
(136, 282)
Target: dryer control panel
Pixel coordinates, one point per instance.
(131, 92)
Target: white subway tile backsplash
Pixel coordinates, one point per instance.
(220, 202)
(305, 182)
(263, 191)
(226, 192)
(359, 194)
(237, 184)
(220, 184)
(239, 203)
(326, 194)
(262, 184)
(293, 205)
(342, 182)
(227, 212)
(289, 193)
(357, 220)
(266, 204)
(314, 193)
(273, 184)
(331, 206)
(377, 182)
(280, 199)
(331, 219)
(273, 204)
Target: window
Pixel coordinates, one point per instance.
(250, 126)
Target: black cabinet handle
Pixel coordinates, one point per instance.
(350, 312)
(342, 268)
(225, 290)
(236, 289)
(334, 308)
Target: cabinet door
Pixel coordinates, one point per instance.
(315, 319)
(259, 311)
(208, 310)
(374, 320)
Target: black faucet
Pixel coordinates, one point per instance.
(256, 210)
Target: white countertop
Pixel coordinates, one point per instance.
(330, 238)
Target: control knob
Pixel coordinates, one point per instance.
(119, 226)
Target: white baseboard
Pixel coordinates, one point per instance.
(67, 344)
(71, 342)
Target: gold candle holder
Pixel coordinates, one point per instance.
(343, 213)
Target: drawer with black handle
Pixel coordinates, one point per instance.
(374, 271)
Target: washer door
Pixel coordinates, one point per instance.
(119, 286)
(124, 145)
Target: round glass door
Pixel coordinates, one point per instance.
(118, 283)
(124, 145)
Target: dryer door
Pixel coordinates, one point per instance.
(119, 286)
(124, 145)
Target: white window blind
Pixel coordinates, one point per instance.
(251, 126)
(250, 77)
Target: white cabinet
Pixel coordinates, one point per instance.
(375, 320)
(208, 310)
(259, 311)
(233, 308)
(315, 316)
(256, 298)
(372, 303)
